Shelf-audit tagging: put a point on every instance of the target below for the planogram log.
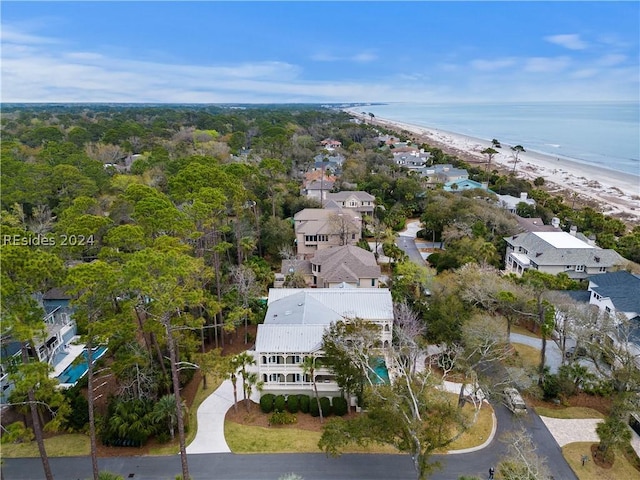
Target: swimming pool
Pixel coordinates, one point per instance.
(78, 369)
(381, 375)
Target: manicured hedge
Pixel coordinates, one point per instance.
(266, 402)
(293, 404)
(280, 403)
(340, 406)
(313, 408)
(325, 403)
(303, 403)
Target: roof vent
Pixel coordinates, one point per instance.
(288, 312)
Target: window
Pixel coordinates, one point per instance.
(579, 268)
(602, 269)
(373, 282)
(607, 309)
(596, 296)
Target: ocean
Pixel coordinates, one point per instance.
(604, 134)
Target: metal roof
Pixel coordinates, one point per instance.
(289, 338)
(365, 303)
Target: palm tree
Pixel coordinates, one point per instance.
(309, 367)
(165, 411)
(231, 370)
(250, 381)
(243, 360)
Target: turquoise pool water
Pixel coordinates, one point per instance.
(381, 375)
(77, 370)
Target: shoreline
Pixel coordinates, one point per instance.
(614, 193)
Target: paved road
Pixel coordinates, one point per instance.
(229, 466)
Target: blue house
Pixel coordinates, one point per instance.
(60, 329)
(463, 184)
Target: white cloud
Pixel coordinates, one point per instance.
(571, 41)
(362, 57)
(546, 64)
(611, 60)
(490, 65)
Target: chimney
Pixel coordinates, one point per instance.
(555, 221)
(523, 195)
(573, 230)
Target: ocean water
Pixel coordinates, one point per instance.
(606, 134)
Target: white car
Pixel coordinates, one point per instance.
(514, 402)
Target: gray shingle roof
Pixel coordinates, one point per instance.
(342, 196)
(561, 248)
(347, 263)
(623, 288)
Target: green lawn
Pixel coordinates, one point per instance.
(527, 356)
(253, 439)
(569, 412)
(70, 445)
(621, 469)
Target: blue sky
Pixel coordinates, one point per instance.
(264, 52)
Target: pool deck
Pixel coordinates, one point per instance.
(72, 352)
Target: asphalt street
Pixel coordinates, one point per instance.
(229, 466)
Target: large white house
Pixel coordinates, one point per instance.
(295, 322)
(558, 252)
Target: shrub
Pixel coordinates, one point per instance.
(104, 475)
(17, 433)
(550, 387)
(293, 403)
(313, 408)
(280, 403)
(282, 418)
(266, 402)
(325, 404)
(303, 403)
(340, 406)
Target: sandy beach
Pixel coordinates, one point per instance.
(611, 192)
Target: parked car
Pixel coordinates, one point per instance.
(513, 401)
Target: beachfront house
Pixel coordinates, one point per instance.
(413, 159)
(51, 348)
(462, 185)
(293, 327)
(559, 252)
(442, 173)
(334, 267)
(510, 203)
(319, 228)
